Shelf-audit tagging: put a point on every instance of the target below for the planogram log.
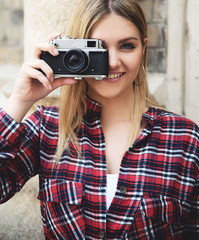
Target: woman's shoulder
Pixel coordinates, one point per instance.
(172, 121)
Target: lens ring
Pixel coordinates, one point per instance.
(76, 60)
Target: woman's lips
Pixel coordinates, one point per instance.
(114, 77)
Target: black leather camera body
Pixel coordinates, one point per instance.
(78, 58)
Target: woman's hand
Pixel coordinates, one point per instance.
(33, 85)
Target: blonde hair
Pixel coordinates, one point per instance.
(72, 101)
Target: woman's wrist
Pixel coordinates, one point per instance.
(16, 108)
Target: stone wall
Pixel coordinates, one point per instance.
(11, 28)
(191, 71)
(11, 42)
(156, 15)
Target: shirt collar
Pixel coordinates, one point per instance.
(92, 105)
(95, 108)
(93, 111)
(152, 114)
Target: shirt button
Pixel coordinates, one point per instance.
(101, 234)
(21, 139)
(123, 189)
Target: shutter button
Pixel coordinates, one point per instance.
(123, 189)
(101, 234)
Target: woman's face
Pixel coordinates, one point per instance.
(122, 39)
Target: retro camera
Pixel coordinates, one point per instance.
(78, 58)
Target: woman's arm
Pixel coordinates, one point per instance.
(19, 154)
(19, 143)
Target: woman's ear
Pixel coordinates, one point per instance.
(145, 44)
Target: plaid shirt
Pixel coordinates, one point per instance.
(157, 195)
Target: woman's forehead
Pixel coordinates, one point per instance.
(113, 25)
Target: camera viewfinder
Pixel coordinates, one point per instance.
(91, 44)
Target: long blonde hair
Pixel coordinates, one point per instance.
(72, 101)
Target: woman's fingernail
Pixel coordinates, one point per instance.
(50, 87)
(55, 51)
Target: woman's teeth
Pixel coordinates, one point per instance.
(116, 75)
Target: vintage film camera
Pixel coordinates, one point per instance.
(78, 58)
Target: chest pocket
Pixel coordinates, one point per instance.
(60, 190)
(157, 217)
(161, 208)
(62, 208)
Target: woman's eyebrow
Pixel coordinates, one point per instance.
(127, 39)
(122, 40)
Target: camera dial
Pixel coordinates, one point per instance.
(76, 60)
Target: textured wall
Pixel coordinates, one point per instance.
(11, 42)
(42, 17)
(11, 29)
(20, 217)
(156, 15)
(191, 87)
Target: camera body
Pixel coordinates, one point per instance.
(78, 58)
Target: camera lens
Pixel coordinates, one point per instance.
(76, 60)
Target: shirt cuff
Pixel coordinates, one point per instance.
(11, 131)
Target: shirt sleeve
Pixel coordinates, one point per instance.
(192, 222)
(19, 153)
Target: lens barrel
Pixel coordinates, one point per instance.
(76, 60)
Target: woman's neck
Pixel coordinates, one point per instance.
(118, 109)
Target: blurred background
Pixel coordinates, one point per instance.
(173, 74)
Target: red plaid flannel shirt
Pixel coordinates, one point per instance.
(157, 195)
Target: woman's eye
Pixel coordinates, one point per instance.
(128, 46)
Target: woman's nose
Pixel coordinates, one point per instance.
(114, 59)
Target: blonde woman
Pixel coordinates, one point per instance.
(111, 164)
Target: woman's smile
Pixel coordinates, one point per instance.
(114, 77)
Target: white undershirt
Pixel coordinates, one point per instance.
(112, 180)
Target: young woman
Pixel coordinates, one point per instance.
(111, 164)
